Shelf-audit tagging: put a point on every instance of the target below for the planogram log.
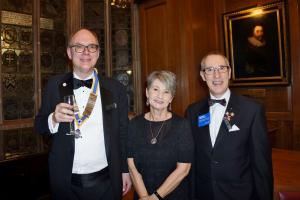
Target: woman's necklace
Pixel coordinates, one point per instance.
(154, 139)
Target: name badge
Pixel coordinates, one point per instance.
(203, 120)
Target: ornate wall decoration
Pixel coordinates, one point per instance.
(10, 111)
(9, 83)
(9, 61)
(122, 58)
(60, 42)
(25, 86)
(9, 35)
(25, 36)
(121, 38)
(11, 143)
(123, 78)
(20, 90)
(27, 108)
(28, 141)
(46, 40)
(94, 20)
(60, 63)
(46, 61)
(25, 62)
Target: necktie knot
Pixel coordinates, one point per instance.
(220, 101)
(82, 83)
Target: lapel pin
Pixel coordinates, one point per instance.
(64, 84)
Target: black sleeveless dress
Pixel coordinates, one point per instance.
(155, 162)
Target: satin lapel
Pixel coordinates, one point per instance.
(66, 86)
(233, 107)
(222, 132)
(107, 101)
(204, 131)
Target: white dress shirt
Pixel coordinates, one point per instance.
(90, 153)
(217, 112)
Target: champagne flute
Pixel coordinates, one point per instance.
(70, 99)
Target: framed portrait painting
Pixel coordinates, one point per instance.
(256, 45)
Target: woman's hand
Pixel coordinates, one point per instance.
(144, 198)
(153, 197)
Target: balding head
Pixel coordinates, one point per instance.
(83, 32)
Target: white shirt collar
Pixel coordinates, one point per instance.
(226, 95)
(89, 77)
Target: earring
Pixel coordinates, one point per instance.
(170, 107)
(147, 102)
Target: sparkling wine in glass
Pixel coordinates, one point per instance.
(70, 99)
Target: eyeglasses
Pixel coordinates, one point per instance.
(79, 48)
(211, 70)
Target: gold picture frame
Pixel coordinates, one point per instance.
(256, 45)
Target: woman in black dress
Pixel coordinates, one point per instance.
(160, 145)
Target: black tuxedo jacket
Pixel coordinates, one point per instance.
(61, 155)
(239, 166)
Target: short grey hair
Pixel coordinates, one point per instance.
(203, 64)
(166, 77)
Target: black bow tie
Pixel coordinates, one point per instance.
(80, 83)
(220, 101)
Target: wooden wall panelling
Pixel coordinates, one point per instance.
(202, 22)
(165, 43)
(1, 103)
(294, 22)
(201, 35)
(185, 51)
(175, 35)
(186, 67)
(137, 59)
(198, 30)
(153, 36)
(37, 55)
(1, 110)
(281, 103)
(154, 30)
(274, 99)
(200, 44)
(232, 5)
(74, 13)
(277, 133)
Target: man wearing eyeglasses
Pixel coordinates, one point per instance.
(91, 164)
(232, 152)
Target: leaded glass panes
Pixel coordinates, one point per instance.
(53, 38)
(119, 43)
(122, 67)
(19, 142)
(27, 56)
(17, 75)
(94, 20)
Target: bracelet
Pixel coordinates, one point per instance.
(157, 195)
